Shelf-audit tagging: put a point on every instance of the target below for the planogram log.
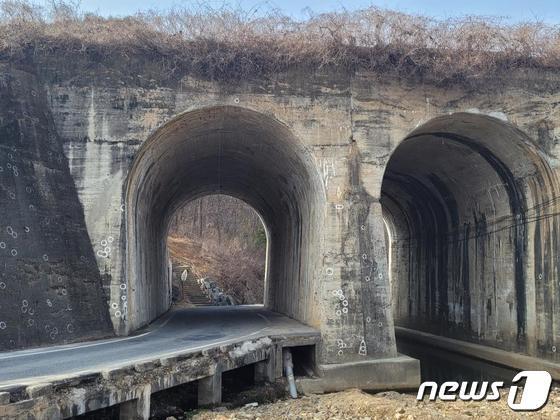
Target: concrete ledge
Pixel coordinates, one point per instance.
(401, 372)
(490, 354)
(132, 384)
(4, 398)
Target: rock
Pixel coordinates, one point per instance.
(214, 293)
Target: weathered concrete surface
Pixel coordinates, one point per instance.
(401, 373)
(477, 352)
(210, 389)
(309, 152)
(287, 151)
(50, 285)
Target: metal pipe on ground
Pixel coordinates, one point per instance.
(289, 372)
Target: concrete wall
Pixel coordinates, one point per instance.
(50, 284)
(309, 152)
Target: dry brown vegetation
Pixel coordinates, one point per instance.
(227, 43)
(238, 272)
(222, 238)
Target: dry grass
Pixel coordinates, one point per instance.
(238, 272)
(218, 236)
(355, 404)
(226, 43)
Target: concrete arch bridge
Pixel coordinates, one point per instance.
(391, 211)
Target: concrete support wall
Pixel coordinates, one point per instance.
(137, 408)
(50, 284)
(210, 390)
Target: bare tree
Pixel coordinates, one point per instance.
(223, 238)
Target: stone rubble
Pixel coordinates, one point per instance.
(355, 404)
(215, 293)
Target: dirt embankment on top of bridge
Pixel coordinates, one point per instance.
(226, 43)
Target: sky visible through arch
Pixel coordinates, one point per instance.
(512, 11)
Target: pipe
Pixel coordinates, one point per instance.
(289, 372)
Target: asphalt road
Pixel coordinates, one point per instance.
(180, 331)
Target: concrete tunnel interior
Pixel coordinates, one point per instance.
(466, 200)
(224, 150)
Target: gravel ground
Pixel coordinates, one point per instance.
(355, 404)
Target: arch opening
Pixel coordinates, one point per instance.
(217, 250)
(226, 150)
(471, 205)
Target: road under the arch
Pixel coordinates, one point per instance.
(181, 331)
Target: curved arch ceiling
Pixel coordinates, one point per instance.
(234, 151)
(465, 196)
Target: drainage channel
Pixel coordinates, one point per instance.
(439, 365)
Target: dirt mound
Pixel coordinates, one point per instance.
(355, 404)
